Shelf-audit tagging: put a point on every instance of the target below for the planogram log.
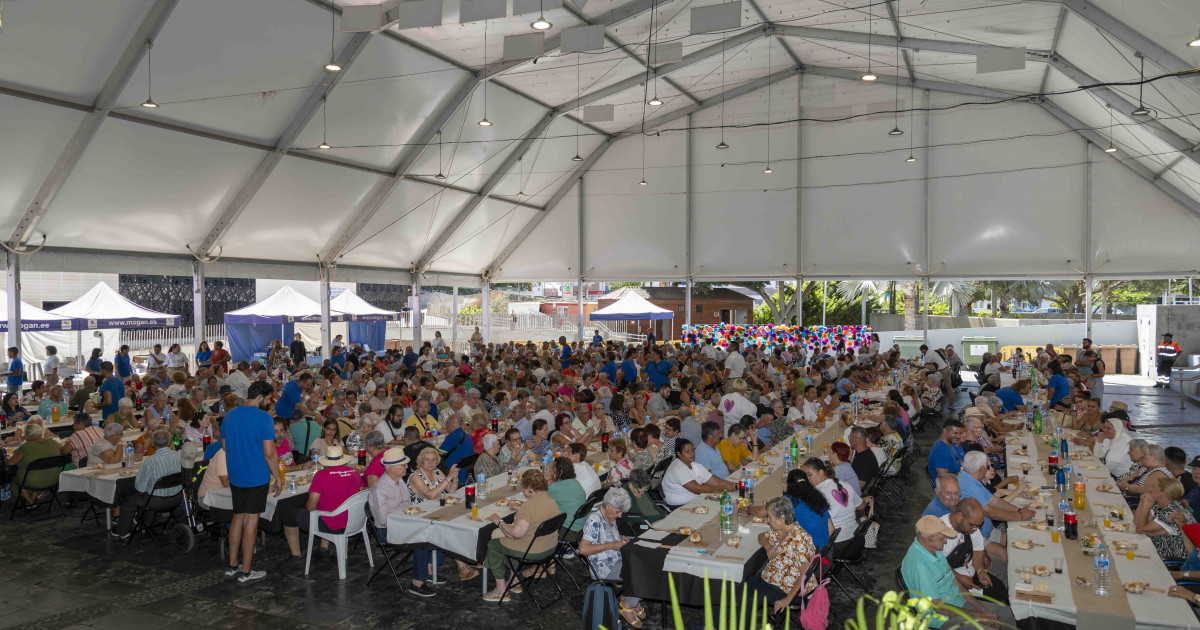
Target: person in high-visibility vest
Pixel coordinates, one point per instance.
(1168, 351)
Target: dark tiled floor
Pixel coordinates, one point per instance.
(63, 574)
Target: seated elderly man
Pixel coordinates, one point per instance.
(83, 394)
(975, 474)
(389, 495)
(926, 571)
(162, 463)
(967, 551)
(54, 398)
(82, 438)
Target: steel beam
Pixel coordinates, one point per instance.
(118, 78)
(731, 93)
(1166, 169)
(1058, 29)
(554, 200)
(198, 302)
(1130, 37)
(13, 284)
(488, 186)
(888, 41)
(291, 132)
(425, 135)
(762, 17)
(463, 189)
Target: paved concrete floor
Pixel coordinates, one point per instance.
(63, 574)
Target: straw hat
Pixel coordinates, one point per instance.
(334, 456)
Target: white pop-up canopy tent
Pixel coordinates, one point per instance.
(366, 324)
(252, 328)
(632, 307)
(41, 328)
(104, 310)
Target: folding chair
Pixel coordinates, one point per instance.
(852, 554)
(656, 476)
(541, 567)
(54, 463)
(387, 557)
(565, 546)
(156, 506)
(802, 598)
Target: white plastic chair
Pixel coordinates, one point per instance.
(355, 509)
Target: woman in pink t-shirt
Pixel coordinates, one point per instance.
(331, 486)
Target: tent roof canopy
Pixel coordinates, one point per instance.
(285, 306)
(103, 307)
(357, 309)
(632, 306)
(34, 318)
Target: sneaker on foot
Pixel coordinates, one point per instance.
(422, 591)
(115, 536)
(231, 572)
(251, 576)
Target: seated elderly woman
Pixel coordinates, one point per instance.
(124, 415)
(601, 545)
(1160, 515)
(514, 453)
(21, 433)
(38, 444)
(488, 458)
(517, 539)
(789, 552)
(642, 506)
(1152, 464)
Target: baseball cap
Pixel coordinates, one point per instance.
(930, 524)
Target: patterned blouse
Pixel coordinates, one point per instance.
(1170, 545)
(644, 459)
(599, 532)
(792, 557)
(620, 420)
(437, 478)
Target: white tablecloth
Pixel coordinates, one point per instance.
(222, 498)
(98, 483)
(459, 535)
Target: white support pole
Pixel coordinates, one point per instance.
(454, 321)
(487, 311)
(824, 300)
(1087, 305)
(415, 304)
(326, 316)
(800, 302)
(14, 301)
(579, 288)
(687, 303)
(1088, 278)
(687, 221)
(800, 201)
(198, 299)
(925, 308)
(925, 223)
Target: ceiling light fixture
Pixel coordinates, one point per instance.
(654, 101)
(911, 157)
(643, 182)
(324, 126)
(149, 102)
(333, 65)
(440, 174)
(1142, 110)
(870, 76)
(541, 24)
(651, 54)
(1110, 148)
(578, 93)
(896, 131)
(485, 122)
(721, 144)
(1195, 43)
(768, 171)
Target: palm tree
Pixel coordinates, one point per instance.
(958, 292)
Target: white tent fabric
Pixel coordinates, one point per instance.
(103, 307)
(357, 309)
(284, 306)
(1010, 178)
(631, 306)
(34, 318)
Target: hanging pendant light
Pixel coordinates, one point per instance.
(333, 65)
(1141, 111)
(911, 157)
(654, 101)
(484, 122)
(1195, 43)
(541, 23)
(643, 182)
(1110, 148)
(650, 57)
(896, 131)
(767, 170)
(440, 174)
(149, 102)
(868, 75)
(324, 126)
(721, 145)
(578, 93)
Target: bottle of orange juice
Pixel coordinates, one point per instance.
(1080, 489)
(55, 413)
(282, 469)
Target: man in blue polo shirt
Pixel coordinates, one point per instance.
(457, 445)
(629, 369)
(946, 495)
(16, 372)
(707, 454)
(292, 397)
(112, 390)
(946, 455)
(252, 464)
(122, 364)
(971, 478)
(610, 368)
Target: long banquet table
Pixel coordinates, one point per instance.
(1074, 603)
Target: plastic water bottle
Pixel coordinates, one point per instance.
(787, 460)
(129, 455)
(1063, 507)
(480, 483)
(547, 459)
(1029, 420)
(1103, 574)
(808, 443)
(726, 513)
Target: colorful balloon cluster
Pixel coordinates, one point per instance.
(770, 335)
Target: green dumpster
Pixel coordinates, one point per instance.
(910, 345)
(973, 349)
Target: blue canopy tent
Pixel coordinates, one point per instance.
(252, 329)
(367, 323)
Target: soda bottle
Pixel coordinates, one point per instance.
(726, 513)
(1080, 489)
(480, 482)
(1101, 579)
(794, 450)
(1070, 523)
(1037, 420)
(742, 489)
(362, 457)
(1052, 463)
(469, 496)
(496, 421)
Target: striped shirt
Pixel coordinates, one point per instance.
(163, 462)
(83, 440)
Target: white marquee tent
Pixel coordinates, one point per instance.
(1009, 176)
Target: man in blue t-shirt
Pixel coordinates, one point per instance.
(597, 340)
(946, 455)
(628, 369)
(15, 373)
(457, 445)
(248, 437)
(291, 399)
(975, 472)
(946, 494)
(658, 370)
(112, 390)
(610, 368)
(121, 362)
